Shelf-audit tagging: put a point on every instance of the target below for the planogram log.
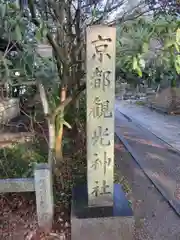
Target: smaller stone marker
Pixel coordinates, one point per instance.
(44, 196)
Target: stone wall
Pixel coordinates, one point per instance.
(163, 100)
(121, 89)
(9, 108)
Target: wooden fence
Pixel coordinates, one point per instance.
(42, 185)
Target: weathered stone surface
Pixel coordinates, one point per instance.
(44, 196)
(113, 228)
(100, 86)
(168, 100)
(16, 185)
(9, 108)
(45, 50)
(101, 222)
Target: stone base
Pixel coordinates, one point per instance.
(101, 223)
(116, 228)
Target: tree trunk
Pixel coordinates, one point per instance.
(51, 129)
(59, 136)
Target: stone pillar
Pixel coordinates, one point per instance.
(100, 209)
(100, 114)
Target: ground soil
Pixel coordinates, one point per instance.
(18, 220)
(154, 219)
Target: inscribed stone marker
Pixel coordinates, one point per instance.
(44, 196)
(100, 66)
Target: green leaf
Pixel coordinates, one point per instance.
(18, 33)
(178, 36)
(168, 44)
(177, 47)
(67, 124)
(94, 12)
(173, 83)
(139, 71)
(44, 32)
(142, 63)
(13, 6)
(38, 34)
(6, 24)
(177, 64)
(2, 10)
(145, 47)
(135, 63)
(136, 66)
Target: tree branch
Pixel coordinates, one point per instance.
(28, 83)
(107, 9)
(54, 45)
(44, 99)
(68, 100)
(130, 16)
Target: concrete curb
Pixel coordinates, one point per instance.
(174, 204)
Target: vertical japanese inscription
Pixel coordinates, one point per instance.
(100, 60)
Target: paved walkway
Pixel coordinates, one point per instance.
(154, 219)
(164, 126)
(162, 165)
